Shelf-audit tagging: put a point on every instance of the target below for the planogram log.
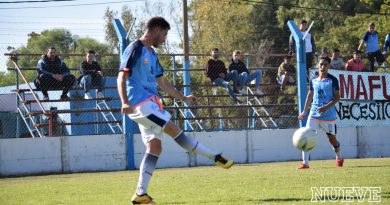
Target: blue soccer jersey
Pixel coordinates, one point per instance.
(144, 68)
(371, 40)
(323, 93)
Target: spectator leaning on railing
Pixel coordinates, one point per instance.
(356, 63)
(53, 74)
(337, 62)
(286, 73)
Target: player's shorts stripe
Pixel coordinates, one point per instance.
(156, 120)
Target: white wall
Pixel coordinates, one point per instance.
(25, 156)
(270, 145)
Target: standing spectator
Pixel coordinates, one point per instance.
(370, 37)
(386, 46)
(91, 75)
(286, 73)
(337, 62)
(216, 71)
(309, 43)
(243, 73)
(53, 74)
(356, 63)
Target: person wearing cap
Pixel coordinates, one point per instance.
(336, 61)
(356, 63)
(370, 37)
(309, 44)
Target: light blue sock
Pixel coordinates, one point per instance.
(146, 170)
(305, 157)
(192, 145)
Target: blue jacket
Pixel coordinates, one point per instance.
(49, 67)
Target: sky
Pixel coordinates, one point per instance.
(81, 17)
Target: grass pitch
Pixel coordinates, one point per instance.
(263, 183)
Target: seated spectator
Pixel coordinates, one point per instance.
(91, 75)
(356, 63)
(337, 62)
(244, 77)
(53, 74)
(286, 73)
(216, 71)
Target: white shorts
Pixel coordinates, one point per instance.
(151, 120)
(329, 127)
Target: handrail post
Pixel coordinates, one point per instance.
(128, 125)
(301, 68)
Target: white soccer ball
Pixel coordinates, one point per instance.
(305, 139)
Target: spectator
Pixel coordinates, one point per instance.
(356, 63)
(286, 73)
(386, 46)
(216, 71)
(244, 77)
(337, 62)
(91, 75)
(309, 43)
(53, 74)
(370, 37)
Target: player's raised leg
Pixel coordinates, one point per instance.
(193, 145)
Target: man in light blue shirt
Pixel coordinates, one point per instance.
(139, 74)
(323, 95)
(370, 37)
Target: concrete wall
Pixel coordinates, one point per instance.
(270, 145)
(25, 156)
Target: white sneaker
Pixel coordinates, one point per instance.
(87, 96)
(259, 92)
(99, 95)
(242, 91)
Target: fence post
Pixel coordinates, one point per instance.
(301, 67)
(128, 125)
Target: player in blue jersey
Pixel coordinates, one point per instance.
(140, 74)
(323, 95)
(373, 51)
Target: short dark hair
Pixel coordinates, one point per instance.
(325, 58)
(336, 50)
(357, 52)
(215, 49)
(52, 47)
(303, 21)
(157, 22)
(91, 52)
(287, 57)
(371, 23)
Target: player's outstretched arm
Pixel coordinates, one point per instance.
(164, 84)
(309, 99)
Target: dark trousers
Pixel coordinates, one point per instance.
(375, 55)
(47, 82)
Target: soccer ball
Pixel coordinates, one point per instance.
(305, 139)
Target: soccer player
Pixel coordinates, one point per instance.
(140, 73)
(323, 95)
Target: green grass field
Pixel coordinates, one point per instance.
(263, 183)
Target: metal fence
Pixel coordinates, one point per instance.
(20, 115)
